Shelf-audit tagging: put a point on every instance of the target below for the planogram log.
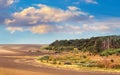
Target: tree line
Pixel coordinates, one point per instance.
(93, 44)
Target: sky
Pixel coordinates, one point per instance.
(44, 21)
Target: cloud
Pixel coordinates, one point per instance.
(91, 16)
(69, 29)
(91, 1)
(46, 19)
(13, 29)
(43, 29)
(4, 6)
(8, 21)
(73, 8)
(86, 1)
(101, 28)
(6, 3)
(103, 25)
(45, 15)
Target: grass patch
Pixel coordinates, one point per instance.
(110, 52)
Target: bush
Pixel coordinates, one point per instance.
(110, 52)
(107, 52)
(54, 62)
(100, 65)
(112, 60)
(89, 64)
(45, 57)
(67, 63)
(82, 62)
(83, 56)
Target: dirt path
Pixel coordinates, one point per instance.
(10, 54)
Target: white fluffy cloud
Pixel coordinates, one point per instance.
(73, 8)
(106, 25)
(4, 6)
(94, 26)
(91, 1)
(42, 29)
(69, 29)
(13, 29)
(45, 14)
(86, 1)
(6, 3)
(45, 18)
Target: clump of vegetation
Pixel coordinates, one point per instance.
(82, 60)
(67, 63)
(110, 52)
(46, 57)
(112, 60)
(67, 59)
(54, 61)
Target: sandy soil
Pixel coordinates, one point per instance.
(5, 51)
(12, 59)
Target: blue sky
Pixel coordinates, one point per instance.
(44, 21)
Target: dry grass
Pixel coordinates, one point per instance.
(76, 68)
(105, 61)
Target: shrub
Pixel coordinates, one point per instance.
(82, 62)
(100, 65)
(110, 52)
(112, 60)
(54, 62)
(88, 64)
(45, 57)
(67, 63)
(91, 65)
(107, 52)
(83, 56)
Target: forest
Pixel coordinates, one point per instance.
(93, 44)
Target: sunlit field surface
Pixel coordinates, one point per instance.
(9, 71)
(23, 60)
